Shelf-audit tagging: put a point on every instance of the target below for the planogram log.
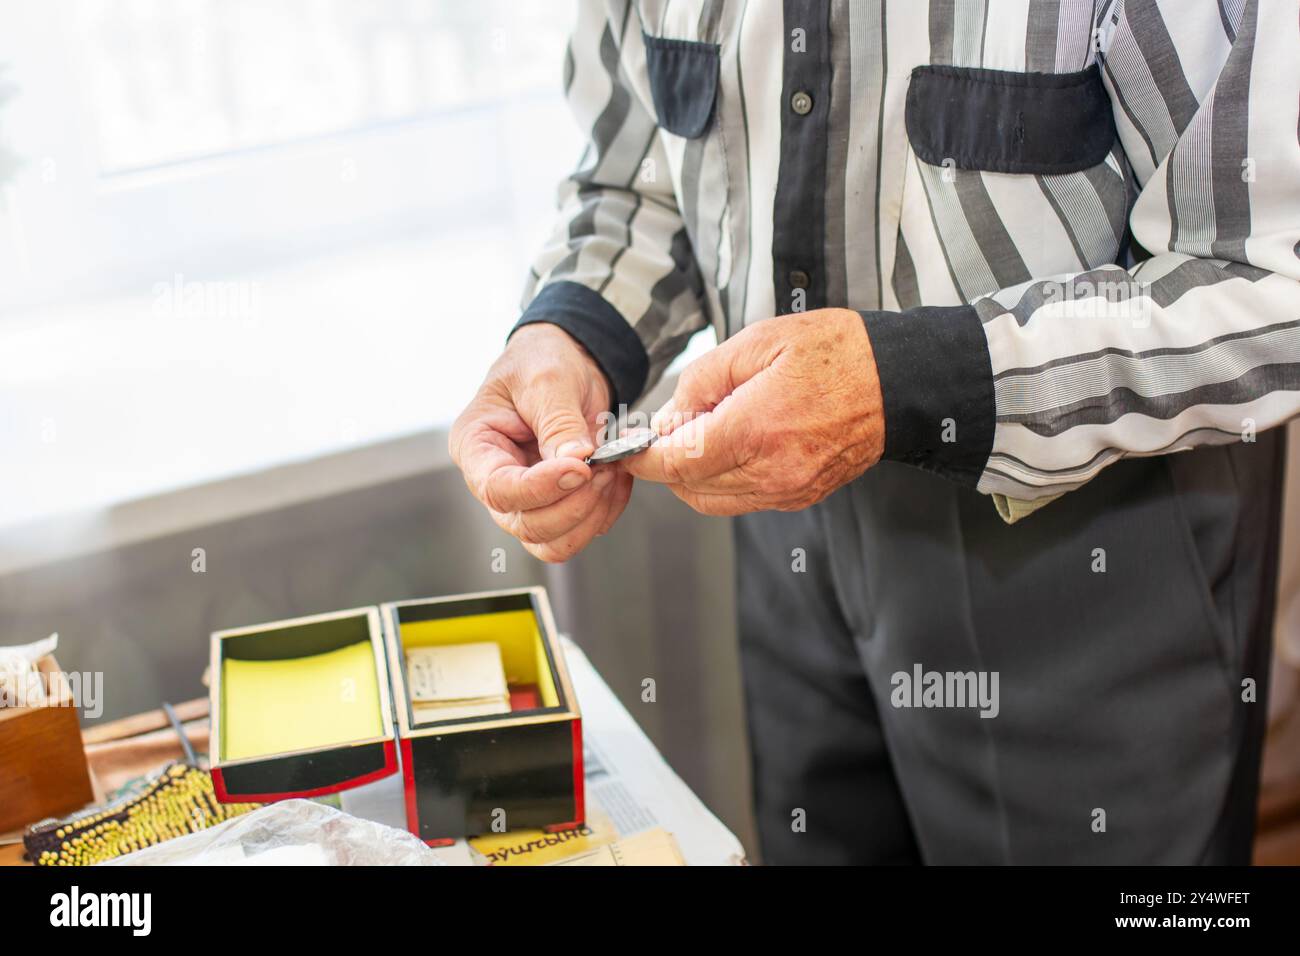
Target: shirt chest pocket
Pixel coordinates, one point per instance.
(683, 83)
(1005, 122)
(1020, 173)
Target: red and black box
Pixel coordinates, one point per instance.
(315, 705)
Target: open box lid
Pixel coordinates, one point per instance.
(300, 707)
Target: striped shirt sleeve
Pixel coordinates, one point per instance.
(618, 273)
(1198, 343)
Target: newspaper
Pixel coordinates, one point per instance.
(630, 789)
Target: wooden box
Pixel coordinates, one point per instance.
(43, 769)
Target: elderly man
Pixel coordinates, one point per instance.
(978, 269)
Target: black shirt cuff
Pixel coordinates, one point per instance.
(936, 382)
(601, 329)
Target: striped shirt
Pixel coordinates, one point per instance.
(1072, 226)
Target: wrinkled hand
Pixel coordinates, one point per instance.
(521, 442)
(775, 418)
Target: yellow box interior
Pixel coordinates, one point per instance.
(523, 651)
(298, 703)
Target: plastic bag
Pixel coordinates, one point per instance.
(289, 833)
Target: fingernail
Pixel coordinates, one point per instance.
(602, 479)
(570, 480)
(570, 449)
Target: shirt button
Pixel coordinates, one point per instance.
(800, 279)
(801, 103)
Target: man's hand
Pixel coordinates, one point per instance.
(521, 442)
(775, 418)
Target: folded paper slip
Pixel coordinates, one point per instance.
(452, 681)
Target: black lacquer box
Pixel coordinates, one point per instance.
(319, 704)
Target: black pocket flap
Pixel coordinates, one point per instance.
(1006, 122)
(683, 83)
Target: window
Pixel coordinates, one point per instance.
(243, 232)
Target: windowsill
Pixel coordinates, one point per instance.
(57, 538)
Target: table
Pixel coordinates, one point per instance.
(628, 781)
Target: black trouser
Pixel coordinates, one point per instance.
(1123, 731)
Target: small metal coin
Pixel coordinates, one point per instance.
(633, 443)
